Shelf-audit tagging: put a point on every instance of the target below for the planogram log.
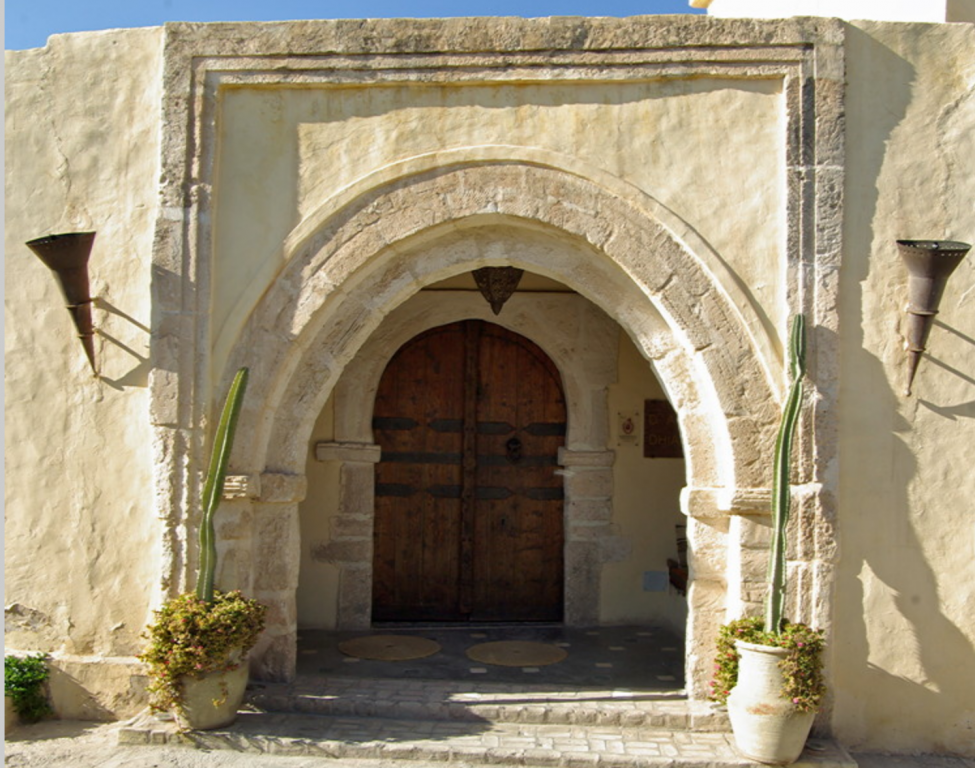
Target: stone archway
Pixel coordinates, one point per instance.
(580, 339)
(376, 251)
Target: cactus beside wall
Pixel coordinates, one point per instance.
(781, 489)
(213, 488)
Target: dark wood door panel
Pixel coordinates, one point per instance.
(416, 561)
(469, 511)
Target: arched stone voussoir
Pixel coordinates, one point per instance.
(373, 252)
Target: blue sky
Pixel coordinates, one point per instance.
(28, 23)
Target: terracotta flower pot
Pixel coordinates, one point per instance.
(767, 726)
(212, 701)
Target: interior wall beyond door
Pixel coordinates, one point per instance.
(646, 509)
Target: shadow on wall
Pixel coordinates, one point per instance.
(882, 560)
(71, 700)
(138, 376)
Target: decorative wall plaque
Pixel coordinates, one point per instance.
(661, 434)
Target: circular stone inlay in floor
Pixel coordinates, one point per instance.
(389, 647)
(516, 653)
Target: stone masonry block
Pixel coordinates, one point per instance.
(352, 527)
(352, 551)
(589, 510)
(356, 484)
(589, 483)
(274, 658)
(234, 521)
(276, 541)
(355, 597)
(282, 610)
(751, 531)
(280, 488)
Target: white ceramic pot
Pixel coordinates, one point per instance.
(766, 725)
(212, 701)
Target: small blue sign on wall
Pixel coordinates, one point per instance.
(655, 581)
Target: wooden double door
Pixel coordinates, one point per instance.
(469, 508)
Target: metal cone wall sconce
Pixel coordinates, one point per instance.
(497, 284)
(929, 265)
(67, 256)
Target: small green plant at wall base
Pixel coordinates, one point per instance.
(23, 682)
(192, 637)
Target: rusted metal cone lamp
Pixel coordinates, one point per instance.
(929, 265)
(67, 256)
(497, 284)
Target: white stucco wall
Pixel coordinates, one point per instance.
(83, 556)
(81, 546)
(646, 508)
(904, 646)
(308, 144)
(876, 10)
(318, 579)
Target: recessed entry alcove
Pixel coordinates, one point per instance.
(594, 520)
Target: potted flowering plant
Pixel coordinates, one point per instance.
(769, 671)
(198, 643)
(802, 667)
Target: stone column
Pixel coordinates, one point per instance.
(727, 538)
(276, 556)
(589, 539)
(350, 546)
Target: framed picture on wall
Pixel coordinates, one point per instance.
(661, 435)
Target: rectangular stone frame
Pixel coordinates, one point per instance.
(199, 60)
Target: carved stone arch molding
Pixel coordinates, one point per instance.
(382, 248)
(375, 253)
(361, 259)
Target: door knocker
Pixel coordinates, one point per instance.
(513, 448)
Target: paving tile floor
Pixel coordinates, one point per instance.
(648, 658)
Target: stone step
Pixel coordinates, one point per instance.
(464, 702)
(469, 742)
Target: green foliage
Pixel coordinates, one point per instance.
(204, 631)
(193, 637)
(23, 682)
(781, 491)
(802, 669)
(213, 488)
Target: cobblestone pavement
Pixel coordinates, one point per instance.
(595, 712)
(485, 702)
(582, 746)
(96, 745)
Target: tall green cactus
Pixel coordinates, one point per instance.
(213, 488)
(781, 491)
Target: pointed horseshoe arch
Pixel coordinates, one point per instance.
(357, 268)
(381, 247)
